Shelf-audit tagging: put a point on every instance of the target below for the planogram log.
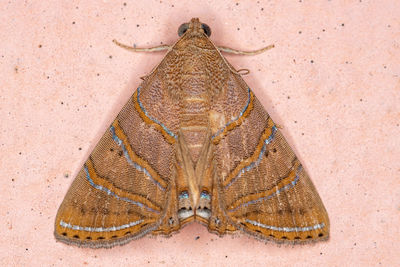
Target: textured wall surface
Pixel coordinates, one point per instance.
(332, 83)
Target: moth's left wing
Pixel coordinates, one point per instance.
(263, 188)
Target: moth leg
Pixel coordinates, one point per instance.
(140, 49)
(186, 182)
(240, 52)
(208, 208)
(243, 72)
(170, 222)
(204, 174)
(218, 222)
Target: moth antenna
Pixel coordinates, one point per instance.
(240, 52)
(140, 49)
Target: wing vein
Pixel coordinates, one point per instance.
(100, 229)
(253, 161)
(141, 201)
(132, 158)
(289, 182)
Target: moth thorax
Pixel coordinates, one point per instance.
(194, 122)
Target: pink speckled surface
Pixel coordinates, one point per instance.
(332, 82)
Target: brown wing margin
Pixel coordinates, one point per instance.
(265, 191)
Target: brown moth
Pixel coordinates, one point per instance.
(193, 143)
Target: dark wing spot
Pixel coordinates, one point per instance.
(143, 225)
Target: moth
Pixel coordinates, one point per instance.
(192, 144)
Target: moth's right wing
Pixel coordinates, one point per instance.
(126, 187)
(263, 188)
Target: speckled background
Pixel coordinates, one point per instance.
(332, 82)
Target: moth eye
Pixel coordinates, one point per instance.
(183, 28)
(206, 29)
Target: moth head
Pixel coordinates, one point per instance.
(194, 26)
